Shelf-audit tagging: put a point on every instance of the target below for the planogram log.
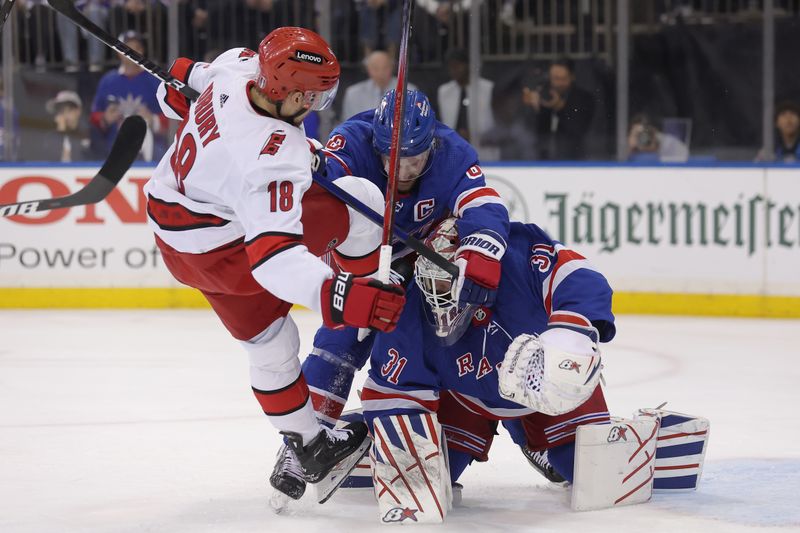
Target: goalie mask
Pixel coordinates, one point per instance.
(448, 319)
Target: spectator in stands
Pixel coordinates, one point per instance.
(35, 32)
(14, 128)
(367, 94)
(647, 143)
(245, 22)
(148, 18)
(374, 15)
(454, 99)
(560, 112)
(66, 143)
(440, 24)
(97, 12)
(787, 121)
(127, 91)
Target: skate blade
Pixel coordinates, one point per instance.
(327, 486)
(279, 502)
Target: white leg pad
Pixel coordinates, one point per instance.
(681, 450)
(410, 470)
(614, 464)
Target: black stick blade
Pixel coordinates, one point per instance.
(123, 153)
(126, 147)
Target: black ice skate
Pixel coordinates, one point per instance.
(287, 476)
(538, 460)
(330, 446)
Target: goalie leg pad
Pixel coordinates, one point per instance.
(614, 464)
(409, 469)
(681, 450)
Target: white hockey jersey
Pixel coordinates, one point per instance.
(235, 173)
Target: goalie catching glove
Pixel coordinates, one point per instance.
(553, 373)
(361, 303)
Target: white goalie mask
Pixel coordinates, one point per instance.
(447, 318)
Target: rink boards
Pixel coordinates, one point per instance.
(722, 240)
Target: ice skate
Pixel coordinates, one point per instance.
(318, 457)
(538, 460)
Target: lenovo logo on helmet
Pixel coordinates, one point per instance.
(308, 57)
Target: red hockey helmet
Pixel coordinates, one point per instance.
(297, 59)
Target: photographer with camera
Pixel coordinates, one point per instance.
(646, 142)
(562, 113)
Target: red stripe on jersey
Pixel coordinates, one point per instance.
(477, 409)
(326, 406)
(338, 160)
(370, 394)
(266, 245)
(180, 69)
(564, 257)
(173, 216)
(285, 400)
(479, 193)
(569, 318)
(358, 266)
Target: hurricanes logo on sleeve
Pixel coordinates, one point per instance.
(273, 144)
(569, 364)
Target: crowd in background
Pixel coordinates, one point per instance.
(545, 104)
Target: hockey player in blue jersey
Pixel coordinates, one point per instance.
(454, 369)
(439, 176)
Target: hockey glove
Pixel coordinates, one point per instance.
(361, 303)
(478, 261)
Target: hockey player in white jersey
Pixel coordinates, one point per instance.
(236, 216)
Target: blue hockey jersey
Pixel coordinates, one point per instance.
(452, 182)
(543, 285)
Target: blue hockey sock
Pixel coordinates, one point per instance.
(563, 460)
(514, 428)
(459, 461)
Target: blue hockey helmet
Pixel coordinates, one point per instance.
(419, 123)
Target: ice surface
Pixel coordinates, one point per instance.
(129, 421)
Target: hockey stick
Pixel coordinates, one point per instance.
(5, 10)
(124, 151)
(397, 139)
(68, 9)
(410, 241)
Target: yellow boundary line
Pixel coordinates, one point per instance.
(183, 298)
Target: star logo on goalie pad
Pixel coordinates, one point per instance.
(617, 434)
(396, 514)
(569, 364)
